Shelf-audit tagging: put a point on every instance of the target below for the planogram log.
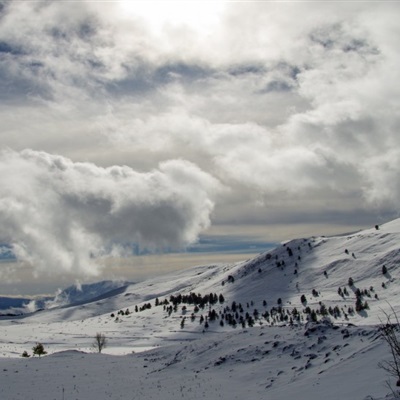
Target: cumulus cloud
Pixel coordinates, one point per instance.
(60, 215)
(292, 106)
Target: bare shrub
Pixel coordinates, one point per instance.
(390, 331)
(100, 342)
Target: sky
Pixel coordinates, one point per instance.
(158, 125)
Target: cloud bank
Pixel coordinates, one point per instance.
(60, 215)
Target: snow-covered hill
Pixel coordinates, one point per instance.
(236, 328)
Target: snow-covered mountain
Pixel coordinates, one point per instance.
(299, 321)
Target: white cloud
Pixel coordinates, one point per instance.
(59, 214)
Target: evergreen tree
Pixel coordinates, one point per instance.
(39, 350)
(313, 316)
(351, 281)
(359, 304)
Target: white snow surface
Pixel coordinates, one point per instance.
(152, 355)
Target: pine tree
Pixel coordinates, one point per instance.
(359, 304)
(351, 281)
(313, 316)
(39, 350)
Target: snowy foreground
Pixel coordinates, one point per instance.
(244, 335)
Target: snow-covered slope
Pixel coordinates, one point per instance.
(227, 318)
